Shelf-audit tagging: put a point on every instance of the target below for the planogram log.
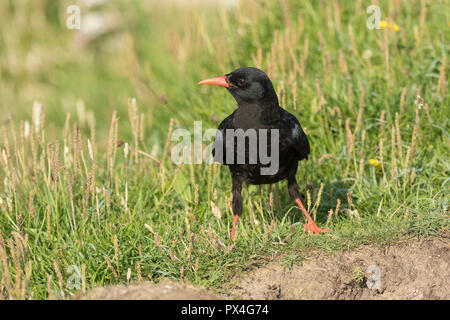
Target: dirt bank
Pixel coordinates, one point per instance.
(165, 290)
(410, 270)
(417, 269)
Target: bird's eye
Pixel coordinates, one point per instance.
(241, 82)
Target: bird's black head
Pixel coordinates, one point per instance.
(247, 85)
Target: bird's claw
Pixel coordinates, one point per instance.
(312, 228)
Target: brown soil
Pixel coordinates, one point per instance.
(165, 290)
(410, 270)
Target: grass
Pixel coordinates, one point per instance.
(89, 195)
(358, 275)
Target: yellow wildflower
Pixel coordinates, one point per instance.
(374, 162)
(390, 25)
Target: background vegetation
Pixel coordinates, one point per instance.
(89, 195)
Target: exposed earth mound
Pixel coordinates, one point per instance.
(165, 290)
(409, 270)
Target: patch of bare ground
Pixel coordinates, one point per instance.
(165, 290)
(416, 269)
(411, 270)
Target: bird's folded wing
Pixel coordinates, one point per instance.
(296, 137)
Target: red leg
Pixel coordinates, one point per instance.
(235, 220)
(311, 226)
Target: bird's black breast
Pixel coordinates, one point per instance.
(292, 146)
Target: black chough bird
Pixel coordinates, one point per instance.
(258, 109)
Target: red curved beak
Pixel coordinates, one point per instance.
(218, 81)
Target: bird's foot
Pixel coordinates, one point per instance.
(312, 228)
(235, 220)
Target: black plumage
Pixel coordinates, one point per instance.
(259, 109)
